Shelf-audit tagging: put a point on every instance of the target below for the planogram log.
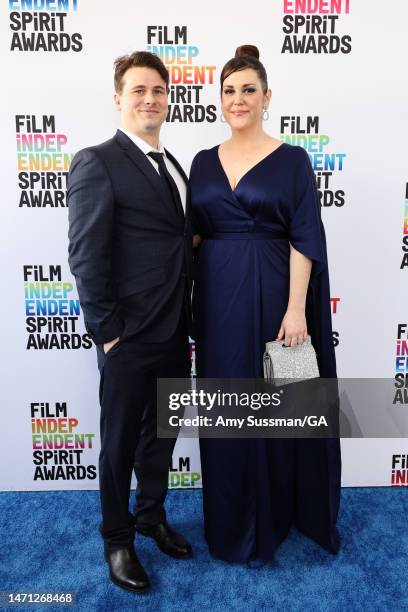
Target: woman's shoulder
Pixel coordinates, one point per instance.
(295, 151)
(298, 159)
(204, 153)
(203, 156)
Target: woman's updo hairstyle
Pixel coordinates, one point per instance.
(246, 56)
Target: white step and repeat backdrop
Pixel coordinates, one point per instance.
(337, 70)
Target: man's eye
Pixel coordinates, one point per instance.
(139, 91)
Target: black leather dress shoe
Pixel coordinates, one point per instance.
(168, 540)
(126, 570)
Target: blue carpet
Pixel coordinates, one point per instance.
(50, 542)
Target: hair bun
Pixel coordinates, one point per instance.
(250, 50)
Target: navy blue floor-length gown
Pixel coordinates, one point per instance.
(254, 490)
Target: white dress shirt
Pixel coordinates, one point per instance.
(146, 148)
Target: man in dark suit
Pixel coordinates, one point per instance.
(130, 250)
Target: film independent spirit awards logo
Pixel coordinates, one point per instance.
(43, 26)
(43, 162)
(315, 27)
(189, 79)
(52, 310)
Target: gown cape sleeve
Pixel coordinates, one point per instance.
(307, 235)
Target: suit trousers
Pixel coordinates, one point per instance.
(128, 428)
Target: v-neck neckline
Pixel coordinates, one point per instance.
(248, 171)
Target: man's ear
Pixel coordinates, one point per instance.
(116, 99)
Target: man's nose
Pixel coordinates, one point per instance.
(149, 97)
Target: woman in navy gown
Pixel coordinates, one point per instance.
(261, 274)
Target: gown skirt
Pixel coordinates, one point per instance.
(254, 490)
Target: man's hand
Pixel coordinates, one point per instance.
(108, 345)
(196, 240)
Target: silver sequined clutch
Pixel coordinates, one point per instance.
(289, 364)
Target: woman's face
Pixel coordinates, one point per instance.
(243, 100)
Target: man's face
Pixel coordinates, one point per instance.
(143, 101)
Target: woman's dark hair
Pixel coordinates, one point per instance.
(246, 56)
(138, 59)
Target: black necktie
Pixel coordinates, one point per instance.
(168, 181)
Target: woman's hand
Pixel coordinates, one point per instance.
(196, 240)
(293, 327)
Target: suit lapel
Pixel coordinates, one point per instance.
(179, 168)
(185, 178)
(144, 165)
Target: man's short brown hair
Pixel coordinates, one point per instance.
(138, 59)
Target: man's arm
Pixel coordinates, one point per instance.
(91, 225)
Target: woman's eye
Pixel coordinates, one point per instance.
(249, 90)
(228, 91)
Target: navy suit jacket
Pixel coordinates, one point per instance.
(129, 250)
